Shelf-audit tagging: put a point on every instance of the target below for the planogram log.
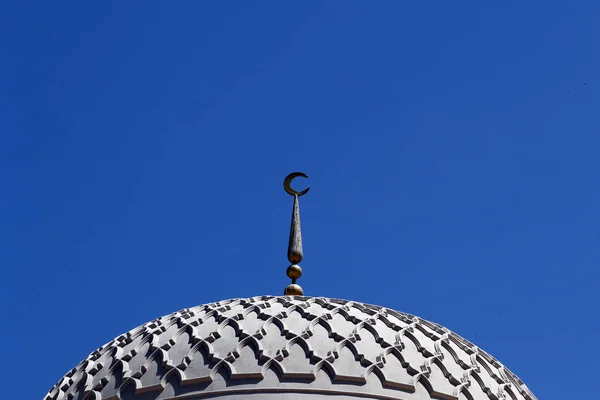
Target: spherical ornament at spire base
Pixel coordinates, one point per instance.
(293, 290)
(294, 272)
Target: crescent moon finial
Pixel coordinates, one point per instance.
(287, 184)
(295, 253)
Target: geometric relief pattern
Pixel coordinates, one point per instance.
(280, 344)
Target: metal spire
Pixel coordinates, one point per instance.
(295, 244)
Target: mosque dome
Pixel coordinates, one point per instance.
(289, 347)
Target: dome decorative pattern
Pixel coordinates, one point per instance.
(280, 347)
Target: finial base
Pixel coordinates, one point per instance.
(293, 290)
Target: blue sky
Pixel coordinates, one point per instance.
(452, 154)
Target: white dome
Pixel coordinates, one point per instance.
(289, 348)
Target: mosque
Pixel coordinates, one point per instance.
(289, 347)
